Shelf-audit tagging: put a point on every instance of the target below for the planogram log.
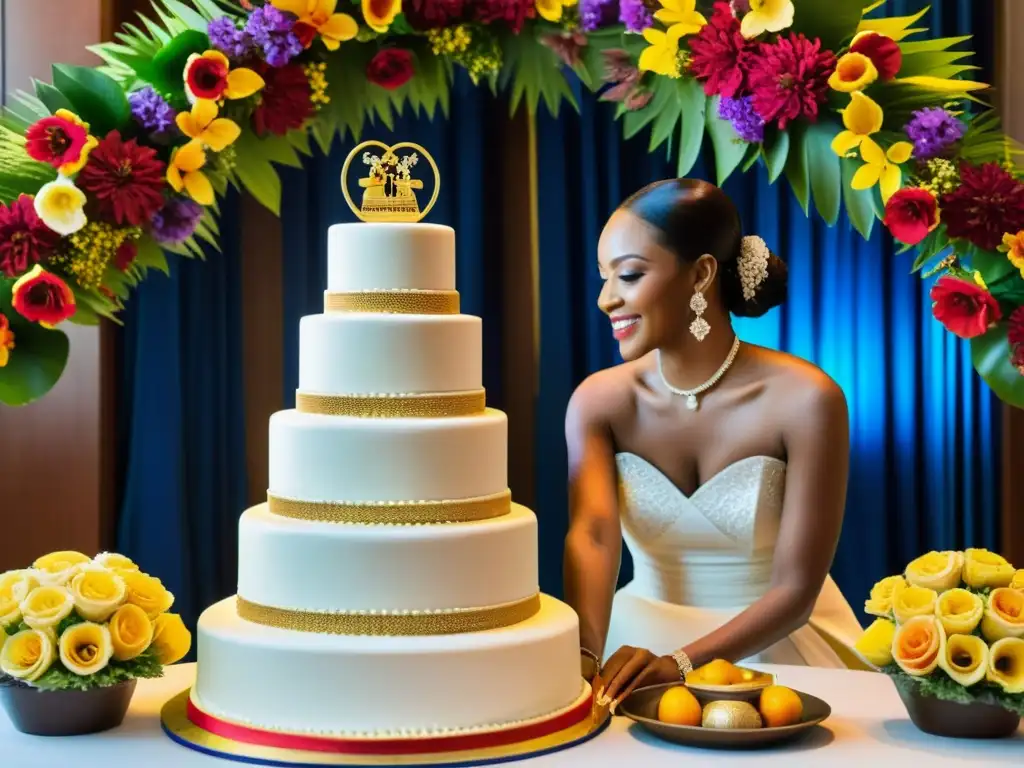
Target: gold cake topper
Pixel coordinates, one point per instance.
(389, 188)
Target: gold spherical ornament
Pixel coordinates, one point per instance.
(730, 715)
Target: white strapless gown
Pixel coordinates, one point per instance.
(700, 560)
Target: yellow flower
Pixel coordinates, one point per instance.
(959, 611)
(171, 638)
(662, 55)
(1006, 664)
(875, 645)
(85, 648)
(1004, 614)
(183, 173)
(1017, 582)
(319, 16)
(854, 72)
(986, 569)
(148, 593)
(936, 570)
(551, 10)
(203, 125)
(97, 593)
(379, 14)
(965, 659)
(681, 17)
(1013, 247)
(58, 567)
(209, 76)
(6, 341)
(767, 16)
(879, 602)
(131, 632)
(46, 607)
(918, 645)
(61, 206)
(882, 168)
(27, 655)
(14, 587)
(115, 562)
(862, 117)
(913, 601)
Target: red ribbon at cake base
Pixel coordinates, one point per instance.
(428, 745)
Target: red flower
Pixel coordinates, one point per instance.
(1015, 333)
(1017, 359)
(883, 51)
(63, 141)
(126, 253)
(911, 214)
(285, 104)
(42, 297)
(24, 239)
(126, 181)
(965, 308)
(432, 14)
(789, 79)
(721, 56)
(206, 76)
(390, 68)
(988, 202)
(513, 12)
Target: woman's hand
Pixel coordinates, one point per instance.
(630, 668)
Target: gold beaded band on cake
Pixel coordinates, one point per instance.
(449, 622)
(405, 301)
(384, 406)
(394, 512)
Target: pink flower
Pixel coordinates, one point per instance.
(721, 56)
(789, 79)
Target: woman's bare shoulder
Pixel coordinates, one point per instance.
(799, 386)
(607, 393)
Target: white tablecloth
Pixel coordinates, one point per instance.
(868, 727)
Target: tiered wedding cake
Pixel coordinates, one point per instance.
(388, 587)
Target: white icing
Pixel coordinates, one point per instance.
(314, 566)
(346, 685)
(370, 256)
(340, 458)
(357, 353)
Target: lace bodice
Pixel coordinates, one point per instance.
(711, 549)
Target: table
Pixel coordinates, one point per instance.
(868, 726)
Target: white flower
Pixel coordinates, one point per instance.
(61, 206)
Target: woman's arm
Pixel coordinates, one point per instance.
(816, 435)
(593, 544)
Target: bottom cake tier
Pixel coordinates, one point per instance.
(357, 685)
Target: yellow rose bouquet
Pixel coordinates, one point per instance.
(950, 627)
(74, 622)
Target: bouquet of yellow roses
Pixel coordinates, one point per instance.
(71, 622)
(953, 625)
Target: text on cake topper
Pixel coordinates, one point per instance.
(389, 186)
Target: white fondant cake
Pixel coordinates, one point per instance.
(388, 587)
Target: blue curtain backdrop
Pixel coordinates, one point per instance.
(924, 468)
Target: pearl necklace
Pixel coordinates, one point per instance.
(691, 394)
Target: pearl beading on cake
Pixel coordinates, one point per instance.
(424, 512)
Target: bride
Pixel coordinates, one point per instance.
(723, 465)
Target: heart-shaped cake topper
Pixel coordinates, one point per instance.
(389, 187)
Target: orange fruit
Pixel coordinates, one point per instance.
(780, 706)
(718, 672)
(679, 707)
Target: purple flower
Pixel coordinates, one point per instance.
(151, 111)
(635, 15)
(176, 221)
(228, 38)
(933, 130)
(271, 29)
(595, 14)
(744, 118)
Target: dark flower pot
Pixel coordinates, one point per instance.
(66, 713)
(976, 720)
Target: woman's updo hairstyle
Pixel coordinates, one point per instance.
(694, 217)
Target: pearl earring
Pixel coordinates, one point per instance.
(699, 327)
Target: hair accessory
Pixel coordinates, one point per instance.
(699, 327)
(752, 265)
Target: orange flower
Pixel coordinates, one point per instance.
(380, 13)
(6, 341)
(854, 72)
(1013, 247)
(318, 17)
(918, 645)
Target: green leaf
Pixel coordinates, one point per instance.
(533, 72)
(834, 21)
(925, 46)
(51, 97)
(729, 147)
(59, 678)
(38, 359)
(990, 354)
(934, 244)
(823, 166)
(666, 108)
(927, 62)
(776, 151)
(97, 98)
(192, 18)
(590, 69)
(255, 171)
(993, 265)
(858, 202)
(151, 256)
(796, 166)
(19, 173)
(692, 104)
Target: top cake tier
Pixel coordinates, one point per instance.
(374, 257)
